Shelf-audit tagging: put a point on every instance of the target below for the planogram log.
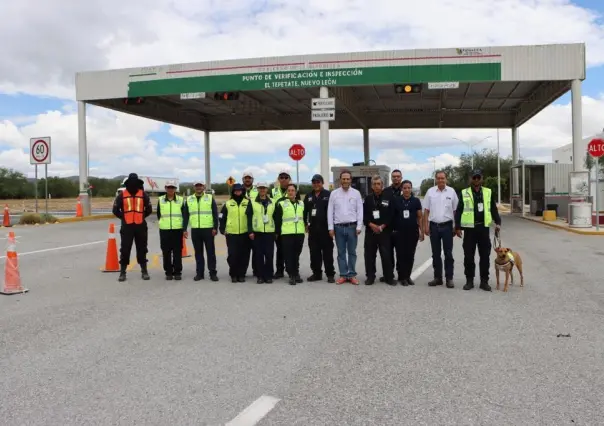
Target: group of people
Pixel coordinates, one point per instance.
(269, 227)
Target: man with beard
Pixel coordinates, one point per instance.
(320, 243)
(393, 191)
(233, 224)
(280, 191)
(133, 206)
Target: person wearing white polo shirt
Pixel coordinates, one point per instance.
(440, 204)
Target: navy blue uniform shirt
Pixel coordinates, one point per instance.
(406, 221)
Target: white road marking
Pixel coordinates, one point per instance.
(56, 248)
(6, 238)
(255, 411)
(422, 268)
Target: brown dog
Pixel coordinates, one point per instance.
(505, 261)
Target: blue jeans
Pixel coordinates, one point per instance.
(442, 233)
(346, 241)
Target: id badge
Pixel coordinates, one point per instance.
(480, 207)
(313, 212)
(406, 214)
(265, 218)
(376, 214)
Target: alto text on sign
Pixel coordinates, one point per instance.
(39, 150)
(595, 148)
(297, 152)
(323, 115)
(320, 103)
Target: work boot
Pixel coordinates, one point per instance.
(122, 276)
(484, 285)
(241, 279)
(177, 277)
(144, 274)
(331, 279)
(404, 283)
(278, 274)
(299, 279)
(410, 281)
(469, 284)
(198, 277)
(382, 279)
(269, 281)
(369, 281)
(450, 283)
(233, 279)
(169, 277)
(292, 281)
(390, 281)
(259, 281)
(314, 277)
(214, 277)
(435, 282)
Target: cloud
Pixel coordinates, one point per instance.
(43, 63)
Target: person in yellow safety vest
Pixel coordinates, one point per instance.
(233, 224)
(173, 217)
(475, 213)
(290, 226)
(251, 192)
(277, 193)
(203, 217)
(261, 227)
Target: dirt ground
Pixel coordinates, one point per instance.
(67, 204)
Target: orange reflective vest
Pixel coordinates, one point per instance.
(133, 207)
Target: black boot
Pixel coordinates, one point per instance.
(469, 284)
(484, 285)
(122, 276)
(144, 273)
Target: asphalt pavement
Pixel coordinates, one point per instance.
(81, 348)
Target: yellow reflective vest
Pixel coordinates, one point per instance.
(262, 219)
(277, 193)
(292, 221)
(170, 212)
(467, 216)
(236, 217)
(200, 211)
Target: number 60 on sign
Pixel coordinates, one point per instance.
(39, 150)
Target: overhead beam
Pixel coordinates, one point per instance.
(348, 101)
(542, 96)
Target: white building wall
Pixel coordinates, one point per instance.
(563, 154)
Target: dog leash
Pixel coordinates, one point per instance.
(497, 239)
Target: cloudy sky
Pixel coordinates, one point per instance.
(51, 40)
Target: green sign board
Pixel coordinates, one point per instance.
(316, 78)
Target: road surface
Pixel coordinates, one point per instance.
(81, 348)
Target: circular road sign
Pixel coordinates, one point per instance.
(297, 152)
(40, 150)
(595, 148)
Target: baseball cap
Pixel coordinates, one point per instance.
(317, 177)
(284, 172)
(247, 174)
(198, 182)
(261, 185)
(170, 183)
(477, 172)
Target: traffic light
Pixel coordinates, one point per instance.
(404, 89)
(134, 101)
(226, 96)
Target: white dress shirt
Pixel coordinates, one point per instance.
(442, 204)
(345, 207)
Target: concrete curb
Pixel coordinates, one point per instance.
(86, 218)
(572, 230)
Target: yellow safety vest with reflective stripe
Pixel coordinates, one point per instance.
(170, 212)
(293, 217)
(277, 193)
(200, 211)
(467, 216)
(236, 217)
(251, 193)
(258, 224)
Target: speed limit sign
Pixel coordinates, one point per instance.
(39, 150)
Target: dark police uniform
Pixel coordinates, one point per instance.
(405, 223)
(393, 192)
(476, 211)
(378, 209)
(320, 243)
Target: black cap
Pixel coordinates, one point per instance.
(317, 177)
(477, 172)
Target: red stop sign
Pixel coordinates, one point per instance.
(297, 152)
(595, 148)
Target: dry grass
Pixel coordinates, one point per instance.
(67, 204)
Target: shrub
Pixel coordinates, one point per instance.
(33, 218)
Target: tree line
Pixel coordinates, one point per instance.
(458, 177)
(15, 185)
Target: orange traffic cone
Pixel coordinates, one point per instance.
(79, 212)
(12, 277)
(6, 219)
(112, 263)
(185, 252)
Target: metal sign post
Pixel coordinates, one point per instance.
(298, 175)
(595, 148)
(597, 200)
(39, 153)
